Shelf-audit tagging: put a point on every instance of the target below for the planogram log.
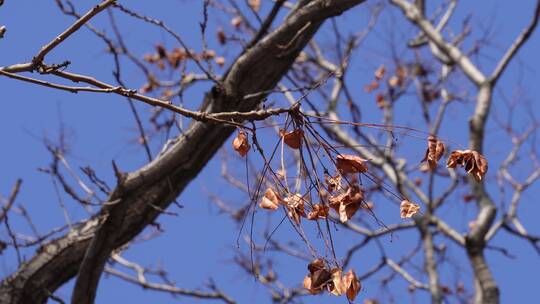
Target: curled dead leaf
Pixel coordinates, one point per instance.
(346, 204)
(319, 211)
(241, 143)
(351, 285)
(271, 200)
(347, 284)
(255, 4)
(295, 207)
(371, 87)
(151, 58)
(316, 265)
(379, 73)
(446, 289)
(336, 286)
(401, 73)
(177, 56)
(394, 81)
(220, 61)
(318, 278)
(236, 22)
(398, 79)
(321, 278)
(381, 102)
(474, 162)
(208, 54)
(161, 51)
(347, 163)
(221, 37)
(292, 139)
(309, 286)
(407, 209)
(333, 183)
(434, 152)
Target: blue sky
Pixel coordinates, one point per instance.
(200, 242)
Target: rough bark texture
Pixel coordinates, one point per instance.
(140, 195)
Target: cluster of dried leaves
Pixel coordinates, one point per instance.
(395, 81)
(345, 200)
(294, 204)
(163, 58)
(475, 163)
(332, 280)
(345, 196)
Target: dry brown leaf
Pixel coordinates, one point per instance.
(381, 102)
(347, 163)
(176, 57)
(351, 284)
(346, 204)
(337, 287)
(398, 79)
(434, 152)
(468, 197)
(318, 278)
(407, 209)
(255, 4)
(319, 211)
(208, 54)
(333, 183)
(241, 143)
(460, 288)
(271, 200)
(474, 162)
(446, 289)
(347, 284)
(307, 285)
(151, 58)
(295, 207)
(379, 73)
(316, 265)
(346, 211)
(292, 139)
(161, 51)
(220, 61)
(394, 81)
(236, 22)
(401, 73)
(372, 86)
(221, 37)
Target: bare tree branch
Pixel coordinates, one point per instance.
(514, 48)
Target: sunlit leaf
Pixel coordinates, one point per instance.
(407, 209)
(241, 143)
